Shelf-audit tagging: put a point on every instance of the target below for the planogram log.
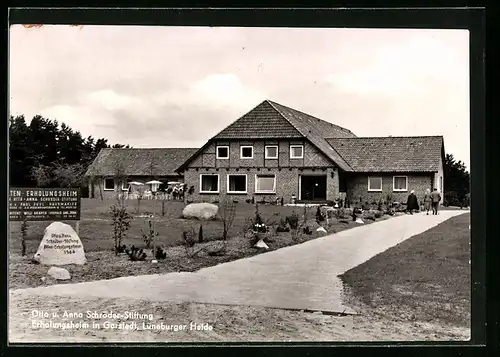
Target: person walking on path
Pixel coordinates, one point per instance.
(412, 203)
(427, 201)
(435, 198)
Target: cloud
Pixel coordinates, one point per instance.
(177, 86)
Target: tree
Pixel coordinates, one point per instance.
(20, 161)
(42, 153)
(456, 181)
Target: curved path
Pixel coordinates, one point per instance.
(302, 277)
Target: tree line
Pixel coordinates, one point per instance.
(46, 154)
(456, 180)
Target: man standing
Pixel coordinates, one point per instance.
(436, 198)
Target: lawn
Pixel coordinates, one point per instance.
(425, 278)
(96, 236)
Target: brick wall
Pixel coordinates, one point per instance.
(312, 156)
(357, 186)
(287, 183)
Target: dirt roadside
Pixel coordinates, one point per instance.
(229, 323)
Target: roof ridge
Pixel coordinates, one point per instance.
(271, 103)
(386, 137)
(305, 135)
(312, 116)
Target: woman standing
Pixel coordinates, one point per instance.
(427, 201)
(412, 203)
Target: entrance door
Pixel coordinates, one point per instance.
(313, 188)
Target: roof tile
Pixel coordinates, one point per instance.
(391, 154)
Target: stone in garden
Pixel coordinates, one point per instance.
(200, 211)
(60, 245)
(321, 229)
(154, 261)
(261, 244)
(359, 220)
(59, 273)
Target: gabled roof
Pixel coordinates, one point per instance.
(270, 120)
(262, 122)
(137, 161)
(391, 154)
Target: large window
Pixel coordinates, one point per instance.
(223, 152)
(209, 183)
(246, 152)
(271, 152)
(374, 183)
(265, 183)
(400, 183)
(237, 183)
(109, 184)
(296, 151)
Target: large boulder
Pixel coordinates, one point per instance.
(59, 273)
(60, 245)
(200, 211)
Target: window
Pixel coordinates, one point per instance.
(209, 183)
(400, 183)
(440, 183)
(237, 183)
(109, 184)
(246, 152)
(265, 183)
(296, 151)
(374, 183)
(223, 152)
(272, 152)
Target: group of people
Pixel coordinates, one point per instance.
(431, 200)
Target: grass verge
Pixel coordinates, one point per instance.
(425, 278)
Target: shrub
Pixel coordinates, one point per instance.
(121, 223)
(293, 220)
(160, 254)
(283, 226)
(189, 242)
(122, 248)
(451, 198)
(191, 190)
(307, 230)
(135, 254)
(340, 213)
(319, 215)
(378, 213)
(149, 236)
(248, 200)
(227, 212)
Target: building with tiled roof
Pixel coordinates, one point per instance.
(133, 164)
(274, 152)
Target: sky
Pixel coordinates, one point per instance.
(179, 86)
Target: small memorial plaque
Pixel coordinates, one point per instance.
(60, 246)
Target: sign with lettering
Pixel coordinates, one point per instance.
(60, 246)
(44, 204)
